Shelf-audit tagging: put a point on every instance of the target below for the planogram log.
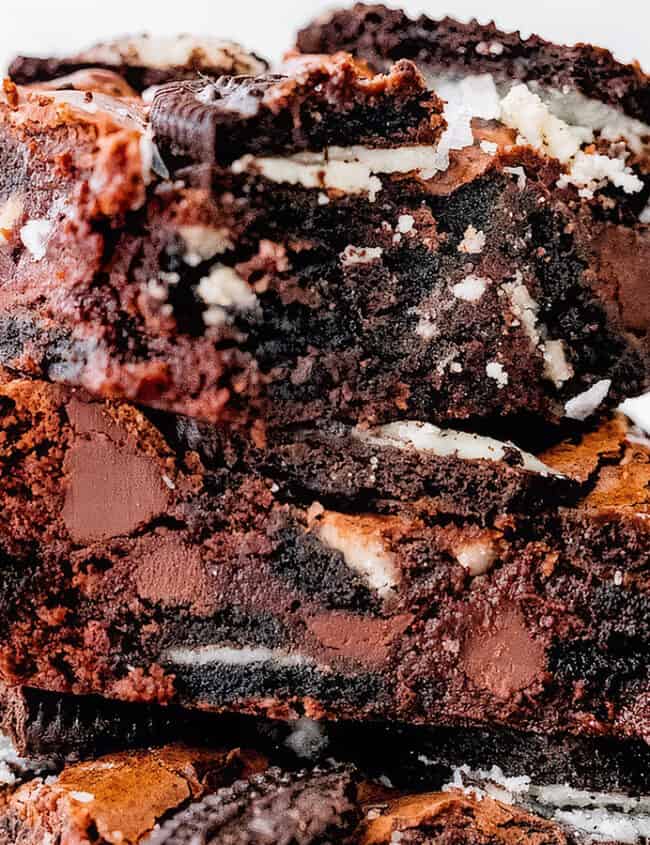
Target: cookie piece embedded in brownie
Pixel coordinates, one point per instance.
(325, 103)
(143, 61)
(213, 585)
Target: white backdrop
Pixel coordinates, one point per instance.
(268, 26)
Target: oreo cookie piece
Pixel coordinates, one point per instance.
(273, 807)
(324, 101)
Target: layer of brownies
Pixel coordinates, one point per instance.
(347, 266)
(143, 569)
(178, 795)
(49, 729)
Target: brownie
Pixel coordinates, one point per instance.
(141, 61)
(322, 275)
(380, 35)
(214, 585)
(119, 798)
(48, 730)
(145, 797)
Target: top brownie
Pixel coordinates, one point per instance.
(381, 36)
(324, 244)
(143, 61)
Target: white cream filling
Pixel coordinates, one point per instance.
(525, 111)
(557, 122)
(638, 410)
(599, 815)
(586, 403)
(8, 759)
(445, 443)
(364, 552)
(351, 170)
(473, 242)
(495, 370)
(174, 51)
(10, 213)
(471, 288)
(229, 656)
(477, 556)
(352, 255)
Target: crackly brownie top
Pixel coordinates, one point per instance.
(380, 35)
(321, 101)
(143, 61)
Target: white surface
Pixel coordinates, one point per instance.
(268, 26)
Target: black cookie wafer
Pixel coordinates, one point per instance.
(275, 807)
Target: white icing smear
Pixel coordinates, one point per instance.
(638, 410)
(229, 656)
(348, 169)
(163, 52)
(363, 550)
(448, 443)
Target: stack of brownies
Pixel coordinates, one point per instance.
(319, 520)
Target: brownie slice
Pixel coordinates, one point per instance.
(379, 35)
(142, 61)
(48, 730)
(566, 100)
(209, 584)
(118, 799)
(334, 283)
